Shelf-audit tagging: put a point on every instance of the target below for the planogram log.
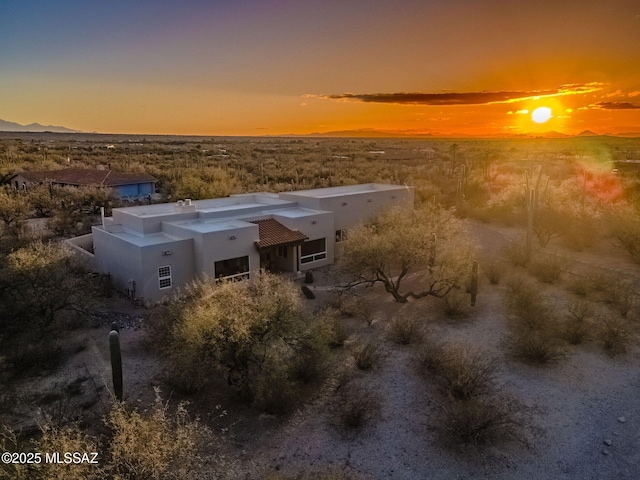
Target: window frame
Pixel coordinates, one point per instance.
(167, 276)
(233, 276)
(314, 256)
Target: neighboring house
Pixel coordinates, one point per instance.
(123, 185)
(151, 250)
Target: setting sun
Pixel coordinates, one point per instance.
(541, 114)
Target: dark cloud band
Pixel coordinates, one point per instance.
(469, 98)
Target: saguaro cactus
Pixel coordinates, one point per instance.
(531, 202)
(473, 288)
(432, 253)
(116, 362)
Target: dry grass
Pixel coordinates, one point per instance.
(462, 371)
(480, 420)
(494, 269)
(405, 328)
(616, 334)
(367, 356)
(357, 407)
(547, 268)
(536, 346)
(456, 304)
(578, 322)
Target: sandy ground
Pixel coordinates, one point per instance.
(583, 413)
(573, 407)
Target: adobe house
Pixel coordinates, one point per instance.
(122, 185)
(151, 250)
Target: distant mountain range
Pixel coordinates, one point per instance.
(373, 133)
(6, 126)
(33, 127)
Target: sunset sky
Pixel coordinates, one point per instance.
(213, 67)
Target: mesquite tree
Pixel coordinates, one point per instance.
(399, 245)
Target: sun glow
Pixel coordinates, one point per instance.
(541, 114)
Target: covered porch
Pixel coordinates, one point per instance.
(279, 246)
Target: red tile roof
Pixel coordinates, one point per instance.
(273, 233)
(86, 176)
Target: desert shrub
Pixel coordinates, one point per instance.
(246, 331)
(309, 366)
(620, 296)
(431, 355)
(627, 234)
(577, 324)
(332, 328)
(404, 329)
(536, 346)
(479, 420)
(24, 358)
(67, 439)
(494, 269)
(581, 286)
(358, 407)
(275, 392)
(547, 268)
(526, 303)
(455, 304)
(464, 372)
(366, 311)
(615, 334)
(325, 472)
(516, 254)
(580, 234)
(600, 281)
(344, 302)
(367, 355)
(160, 445)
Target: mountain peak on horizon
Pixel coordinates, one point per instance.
(588, 133)
(6, 126)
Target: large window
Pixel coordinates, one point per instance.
(164, 277)
(233, 268)
(314, 250)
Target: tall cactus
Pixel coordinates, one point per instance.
(432, 253)
(530, 213)
(116, 362)
(473, 288)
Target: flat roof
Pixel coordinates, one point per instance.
(347, 190)
(145, 240)
(210, 226)
(211, 205)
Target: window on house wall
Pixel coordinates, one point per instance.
(164, 276)
(341, 236)
(282, 252)
(314, 250)
(232, 268)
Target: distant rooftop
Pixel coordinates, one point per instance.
(88, 177)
